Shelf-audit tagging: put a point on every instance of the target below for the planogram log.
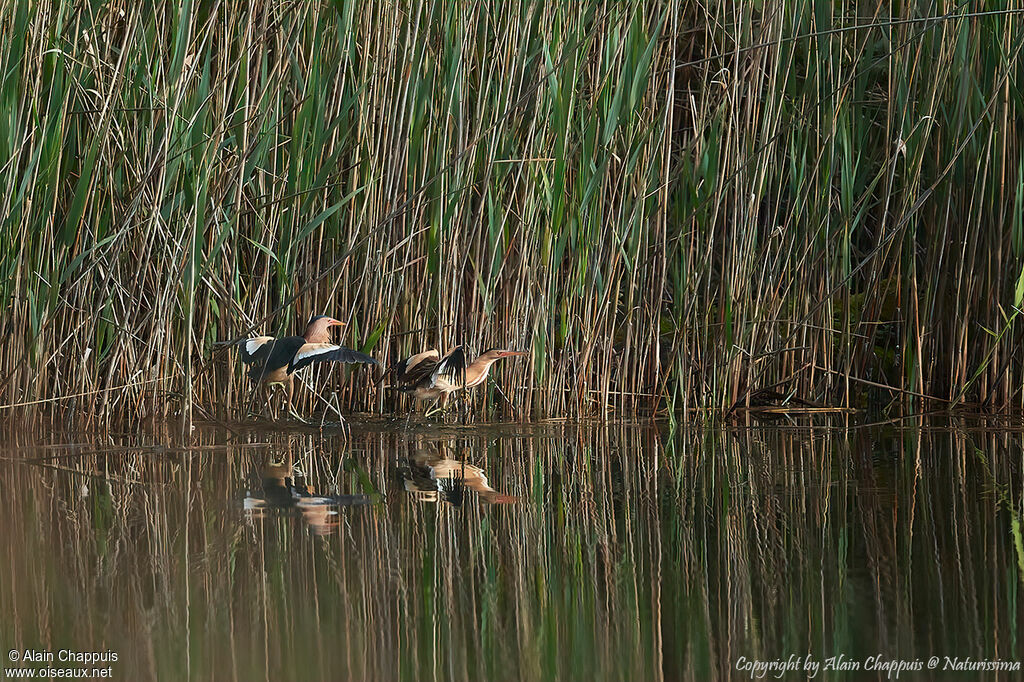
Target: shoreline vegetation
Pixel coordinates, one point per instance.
(675, 207)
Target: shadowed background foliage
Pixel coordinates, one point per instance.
(673, 205)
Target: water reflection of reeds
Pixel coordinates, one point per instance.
(615, 552)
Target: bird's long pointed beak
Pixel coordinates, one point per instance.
(336, 323)
(512, 353)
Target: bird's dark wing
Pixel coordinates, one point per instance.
(413, 369)
(411, 377)
(326, 352)
(256, 348)
(271, 355)
(452, 367)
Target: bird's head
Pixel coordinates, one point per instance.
(499, 353)
(318, 329)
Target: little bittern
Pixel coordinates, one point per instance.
(275, 361)
(427, 376)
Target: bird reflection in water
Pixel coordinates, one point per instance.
(429, 475)
(282, 489)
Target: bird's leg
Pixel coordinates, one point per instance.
(263, 390)
(268, 406)
(280, 401)
(271, 392)
(439, 406)
(291, 408)
(269, 410)
(433, 409)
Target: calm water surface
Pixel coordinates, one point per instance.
(513, 552)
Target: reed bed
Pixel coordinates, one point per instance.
(674, 206)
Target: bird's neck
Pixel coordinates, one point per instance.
(316, 333)
(477, 371)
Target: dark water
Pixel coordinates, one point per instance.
(513, 552)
